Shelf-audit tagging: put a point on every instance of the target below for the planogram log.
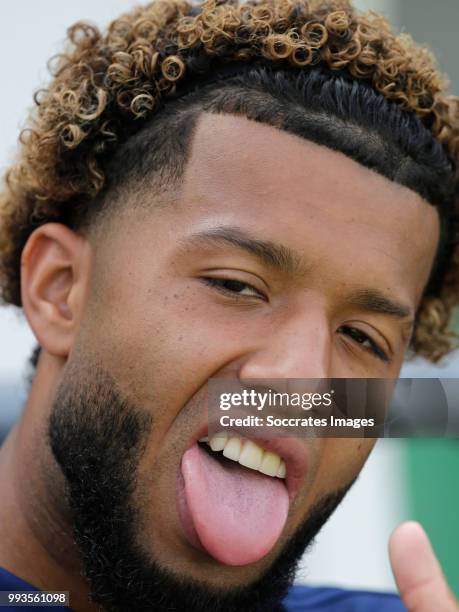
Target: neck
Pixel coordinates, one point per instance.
(36, 540)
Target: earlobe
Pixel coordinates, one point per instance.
(54, 274)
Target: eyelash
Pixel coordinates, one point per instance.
(223, 285)
(358, 336)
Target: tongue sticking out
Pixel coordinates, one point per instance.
(237, 513)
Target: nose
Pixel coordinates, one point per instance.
(299, 347)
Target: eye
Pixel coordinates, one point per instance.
(232, 287)
(364, 340)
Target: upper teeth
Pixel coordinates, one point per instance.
(248, 454)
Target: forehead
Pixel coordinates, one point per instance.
(325, 204)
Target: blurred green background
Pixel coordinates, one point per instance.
(433, 466)
(433, 470)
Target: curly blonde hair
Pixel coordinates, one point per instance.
(105, 85)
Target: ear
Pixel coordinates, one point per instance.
(55, 268)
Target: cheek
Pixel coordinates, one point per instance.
(341, 460)
(154, 335)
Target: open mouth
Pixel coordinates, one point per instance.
(233, 497)
(248, 454)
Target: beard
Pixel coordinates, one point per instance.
(97, 438)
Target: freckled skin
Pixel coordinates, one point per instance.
(161, 332)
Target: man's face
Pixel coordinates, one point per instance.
(276, 259)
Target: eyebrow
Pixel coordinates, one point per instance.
(274, 255)
(375, 301)
(285, 260)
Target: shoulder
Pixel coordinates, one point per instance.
(309, 599)
(10, 582)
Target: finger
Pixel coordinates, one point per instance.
(419, 577)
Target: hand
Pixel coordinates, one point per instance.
(419, 577)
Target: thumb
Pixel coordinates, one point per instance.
(419, 577)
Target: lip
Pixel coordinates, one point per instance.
(292, 450)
